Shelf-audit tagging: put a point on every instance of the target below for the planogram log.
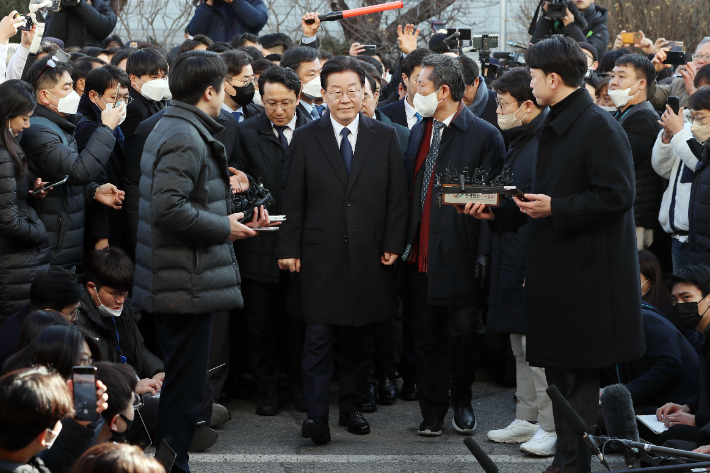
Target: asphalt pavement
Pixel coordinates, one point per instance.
(254, 443)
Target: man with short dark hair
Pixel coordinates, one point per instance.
(346, 210)
(633, 74)
(56, 289)
(239, 86)
(443, 268)
(306, 63)
(120, 380)
(81, 68)
(402, 112)
(477, 96)
(185, 264)
(579, 203)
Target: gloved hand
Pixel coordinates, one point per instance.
(483, 269)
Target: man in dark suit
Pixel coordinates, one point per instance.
(402, 112)
(443, 268)
(581, 234)
(271, 299)
(239, 86)
(477, 96)
(346, 208)
(305, 62)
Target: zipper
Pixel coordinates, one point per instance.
(59, 233)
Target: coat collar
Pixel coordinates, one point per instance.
(194, 115)
(463, 118)
(561, 123)
(67, 125)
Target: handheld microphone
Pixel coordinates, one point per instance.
(483, 459)
(339, 15)
(574, 421)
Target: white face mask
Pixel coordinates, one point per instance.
(111, 106)
(154, 89)
(105, 311)
(508, 121)
(426, 104)
(257, 97)
(608, 109)
(700, 132)
(68, 104)
(622, 97)
(311, 89)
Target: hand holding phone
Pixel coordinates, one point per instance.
(85, 393)
(49, 185)
(674, 103)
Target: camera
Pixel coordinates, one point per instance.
(557, 9)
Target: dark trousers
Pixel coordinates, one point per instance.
(185, 342)
(358, 349)
(408, 360)
(219, 354)
(443, 336)
(385, 357)
(581, 389)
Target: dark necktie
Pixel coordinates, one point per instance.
(282, 137)
(346, 150)
(321, 109)
(238, 116)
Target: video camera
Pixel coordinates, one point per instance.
(557, 9)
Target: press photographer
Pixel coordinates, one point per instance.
(80, 23)
(581, 20)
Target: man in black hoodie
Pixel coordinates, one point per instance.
(584, 21)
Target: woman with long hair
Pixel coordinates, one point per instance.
(24, 249)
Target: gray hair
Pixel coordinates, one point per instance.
(705, 40)
(447, 70)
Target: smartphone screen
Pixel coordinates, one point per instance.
(674, 103)
(84, 378)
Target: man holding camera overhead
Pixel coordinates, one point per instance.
(581, 20)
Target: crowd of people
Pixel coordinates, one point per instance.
(124, 252)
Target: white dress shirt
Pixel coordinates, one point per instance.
(411, 114)
(288, 131)
(352, 137)
(447, 122)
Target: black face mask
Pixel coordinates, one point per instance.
(244, 95)
(120, 437)
(687, 313)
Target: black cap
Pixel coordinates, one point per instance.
(437, 44)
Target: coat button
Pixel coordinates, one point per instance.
(345, 238)
(349, 204)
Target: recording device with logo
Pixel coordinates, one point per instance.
(675, 58)
(84, 380)
(370, 49)
(254, 197)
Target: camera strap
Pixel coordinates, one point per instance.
(121, 358)
(533, 23)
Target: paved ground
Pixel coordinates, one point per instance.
(273, 444)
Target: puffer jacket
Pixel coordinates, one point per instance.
(63, 210)
(184, 261)
(24, 249)
(589, 25)
(223, 21)
(699, 211)
(86, 24)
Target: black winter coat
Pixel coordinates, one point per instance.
(138, 110)
(640, 122)
(263, 158)
(35, 465)
(139, 357)
(699, 210)
(24, 246)
(103, 221)
(589, 25)
(83, 25)
(402, 131)
(589, 241)
(340, 226)
(506, 302)
(223, 21)
(63, 209)
(184, 261)
(132, 171)
(468, 142)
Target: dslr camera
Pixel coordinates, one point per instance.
(556, 9)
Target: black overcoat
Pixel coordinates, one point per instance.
(339, 227)
(582, 283)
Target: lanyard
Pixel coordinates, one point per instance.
(121, 358)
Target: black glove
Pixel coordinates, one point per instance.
(483, 269)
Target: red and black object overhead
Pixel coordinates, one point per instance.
(339, 15)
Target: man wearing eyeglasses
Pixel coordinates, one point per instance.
(239, 86)
(346, 211)
(681, 87)
(269, 301)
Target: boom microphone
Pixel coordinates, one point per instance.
(618, 410)
(574, 421)
(483, 459)
(339, 15)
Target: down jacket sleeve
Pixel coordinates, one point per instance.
(15, 224)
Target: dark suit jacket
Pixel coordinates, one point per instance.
(132, 174)
(395, 112)
(402, 131)
(263, 158)
(304, 112)
(252, 110)
(340, 226)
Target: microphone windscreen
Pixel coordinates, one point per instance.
(566, 411)
(483, 459)
(619, 415)
(502, 54)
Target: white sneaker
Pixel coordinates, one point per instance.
(542, 444)
(518, 431)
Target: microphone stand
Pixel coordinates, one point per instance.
(635, 447)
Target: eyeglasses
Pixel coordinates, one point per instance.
(117, 103)
(704, 57)
(245, 82)
(274, 105)
(73, 315)
(116, 297)
(86, 360)
(137, 401)
(338, 94)
(502, 105)
(698, 120)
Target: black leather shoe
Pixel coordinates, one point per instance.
(267, 408)
(464, 419)
(316, 429)
(430, 427)
(370, 405)
(409, 392)
(299, 403)
(355, 422)
(387, 390)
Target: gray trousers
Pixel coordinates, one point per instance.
(533, 402)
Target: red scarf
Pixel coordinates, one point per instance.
(419, 252)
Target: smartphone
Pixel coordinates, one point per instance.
(61, 56)
(631, 38)
(675, 57)
(674, 103)
(266, 229)
(49, 185)
(84, 378)
(675, 45)
(515, 192)
(369, 49)
(277, 218)
(165, 455)
(27, 26)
